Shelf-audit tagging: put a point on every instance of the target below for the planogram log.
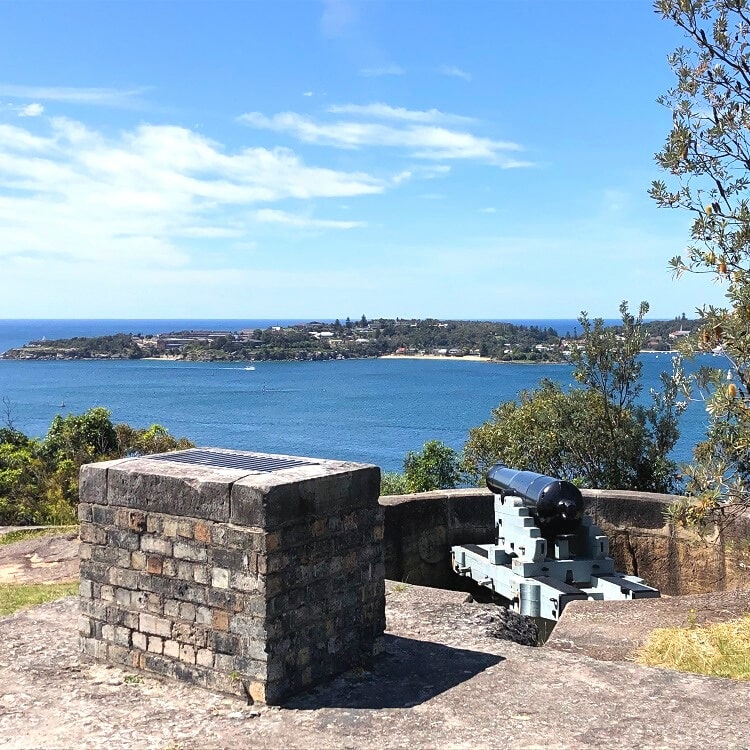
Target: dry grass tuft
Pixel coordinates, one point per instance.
(720, 650)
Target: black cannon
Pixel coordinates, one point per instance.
(547, 553)
(557, 505)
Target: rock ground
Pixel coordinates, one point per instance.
(443, 681)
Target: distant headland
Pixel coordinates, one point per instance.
(379, 337)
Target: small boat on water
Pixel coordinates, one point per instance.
(248, 368)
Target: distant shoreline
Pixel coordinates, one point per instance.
(466, 358)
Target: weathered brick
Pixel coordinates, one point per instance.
(192, 633)
(124, 578)
(104, 515)
(190, 551)
(185, 571)
(246, 582)
(172, 649)
(122, 636)
(203, 616)
(233, 559)
(172, 608)
(169, 527)
(224, 643)
(224, 662)
(139, 640)
(155, 545)
(155, 625)
(93, 608)
(159, 664)
(189, 592)
(123, 538)
(92, 533)
(138, 560)
(137, 521)
(155, 644)
(154, 564)
(220, 620)
(122, 597)
(185, 528)
(86, 589)
(201, 574)
(154, 523)
(202, 532)
(187, 653)
(253, 668)
(224, 599)
(250, 627)
(187, 611)
(204, 657)
(220, 578)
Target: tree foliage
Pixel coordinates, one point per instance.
(707, 158)
(598, 435)
(435, 467)
(39, 478)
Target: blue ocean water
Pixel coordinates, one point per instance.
(372, 410)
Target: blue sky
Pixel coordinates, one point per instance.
(333, 158)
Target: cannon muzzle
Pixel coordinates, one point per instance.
(557, 504)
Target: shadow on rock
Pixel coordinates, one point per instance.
(409, 672)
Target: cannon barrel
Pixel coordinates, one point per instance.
(557, 504)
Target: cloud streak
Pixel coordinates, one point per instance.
(102, 97)
(386, 112)
(414, 133)
(454, 72)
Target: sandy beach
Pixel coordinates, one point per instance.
(466, 358)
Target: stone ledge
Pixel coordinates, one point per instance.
(614, 631)
(440, 682)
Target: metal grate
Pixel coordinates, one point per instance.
(227, 460)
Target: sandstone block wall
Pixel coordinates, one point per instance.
(252, 583)
(420, 529)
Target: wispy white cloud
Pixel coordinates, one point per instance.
(103, 97)
(274, 216)
(307, 93)
(31, 110)
(420, 140)
(488, 210)
(382, 70)
(386, 112)
(146, 196)
(453, 71)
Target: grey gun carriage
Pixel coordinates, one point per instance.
(547, 552)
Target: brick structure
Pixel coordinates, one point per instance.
(256, 582)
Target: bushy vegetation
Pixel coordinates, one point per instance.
(707, 159)
(39, 478)
(599, 434)
(436, 466)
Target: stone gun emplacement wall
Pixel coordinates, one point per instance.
(254, 581)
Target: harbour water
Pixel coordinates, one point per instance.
(372, 410)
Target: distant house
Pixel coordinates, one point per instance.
(679, 334)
